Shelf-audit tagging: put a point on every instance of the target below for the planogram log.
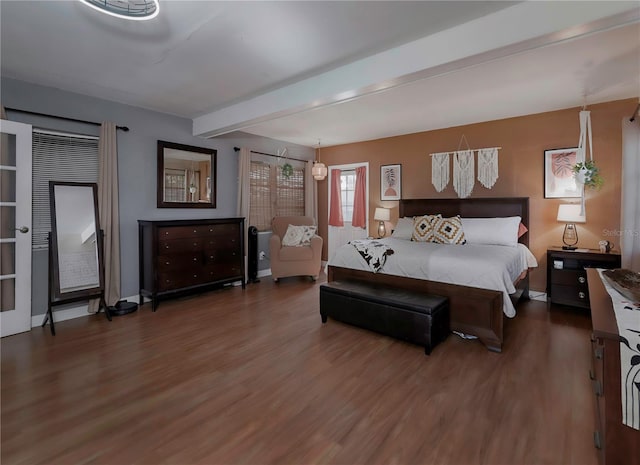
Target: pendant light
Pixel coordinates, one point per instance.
(319, 171)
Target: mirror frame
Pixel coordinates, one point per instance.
(54, 264)
(162, 145)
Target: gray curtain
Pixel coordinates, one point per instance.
(244, 192)
(109, 212)
(310, 193)
(630, 234)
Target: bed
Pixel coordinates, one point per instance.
(474, 310)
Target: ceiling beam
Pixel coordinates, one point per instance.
(524, 26)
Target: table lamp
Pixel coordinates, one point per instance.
(570, 215)
(382, 215)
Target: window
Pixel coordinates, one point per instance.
(273, 194)
(58, 157)
(175, 185)
(347, 190)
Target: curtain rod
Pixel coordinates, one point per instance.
(237, 149)
(35, 113)
(635, 112)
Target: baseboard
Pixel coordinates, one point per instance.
(263, 273)
(70, 313)
(536, 295)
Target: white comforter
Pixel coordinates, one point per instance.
(493, 267)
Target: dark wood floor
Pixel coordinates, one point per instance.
(253, 377)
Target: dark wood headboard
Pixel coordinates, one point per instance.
(470, 208)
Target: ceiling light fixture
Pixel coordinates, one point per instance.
(135, 10)
(319, 171)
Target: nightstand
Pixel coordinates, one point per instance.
(566, 275)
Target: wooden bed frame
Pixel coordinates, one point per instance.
(473, 310)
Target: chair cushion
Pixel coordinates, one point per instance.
(295, 253)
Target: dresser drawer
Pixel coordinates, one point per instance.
(180, 232)
(576, 278)
(223, 270)
(569, 295)
(174, 262)
(222, 241)
(222, 255)
(179, 246)
(224, 230)
(170, 281)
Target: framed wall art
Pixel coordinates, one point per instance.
(390, 182)
(559, 181)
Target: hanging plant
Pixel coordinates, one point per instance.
(287, 170)
(588, 173)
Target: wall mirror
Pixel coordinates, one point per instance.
(75, 249)
(186, 176)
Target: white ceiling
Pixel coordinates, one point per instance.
(338, 71)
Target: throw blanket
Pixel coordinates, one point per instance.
(374, 252)
(628, 319)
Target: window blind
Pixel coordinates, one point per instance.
(273, 194)
(58, 157)
(290, 194)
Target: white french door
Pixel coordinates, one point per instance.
(15, 227)
(341, 235)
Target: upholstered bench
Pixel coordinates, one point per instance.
(412, 316)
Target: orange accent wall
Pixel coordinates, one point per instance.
(521, 170)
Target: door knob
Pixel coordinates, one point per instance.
(23, 229)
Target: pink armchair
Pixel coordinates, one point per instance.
(293, 261)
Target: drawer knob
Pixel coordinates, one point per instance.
(194, 230)
(195, 243)
(581, 279)
(166, 246)
(166, 233)
(195, 259)
(167, 263)
(582, 295)
(195, 275)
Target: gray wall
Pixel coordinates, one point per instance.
(136, 165)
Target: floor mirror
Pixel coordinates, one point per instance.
(76, 266)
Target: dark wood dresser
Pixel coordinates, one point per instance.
(618, 443)
(566, 275)
(187, 256)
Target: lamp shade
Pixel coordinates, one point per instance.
(319, 171)
(570, 213)
(382, 214)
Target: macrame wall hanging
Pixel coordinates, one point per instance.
(440, 170)
(463, 175)
(488, 166)
(463, 169)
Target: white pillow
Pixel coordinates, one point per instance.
(404, 229)
(491, 231)
(298, 236)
